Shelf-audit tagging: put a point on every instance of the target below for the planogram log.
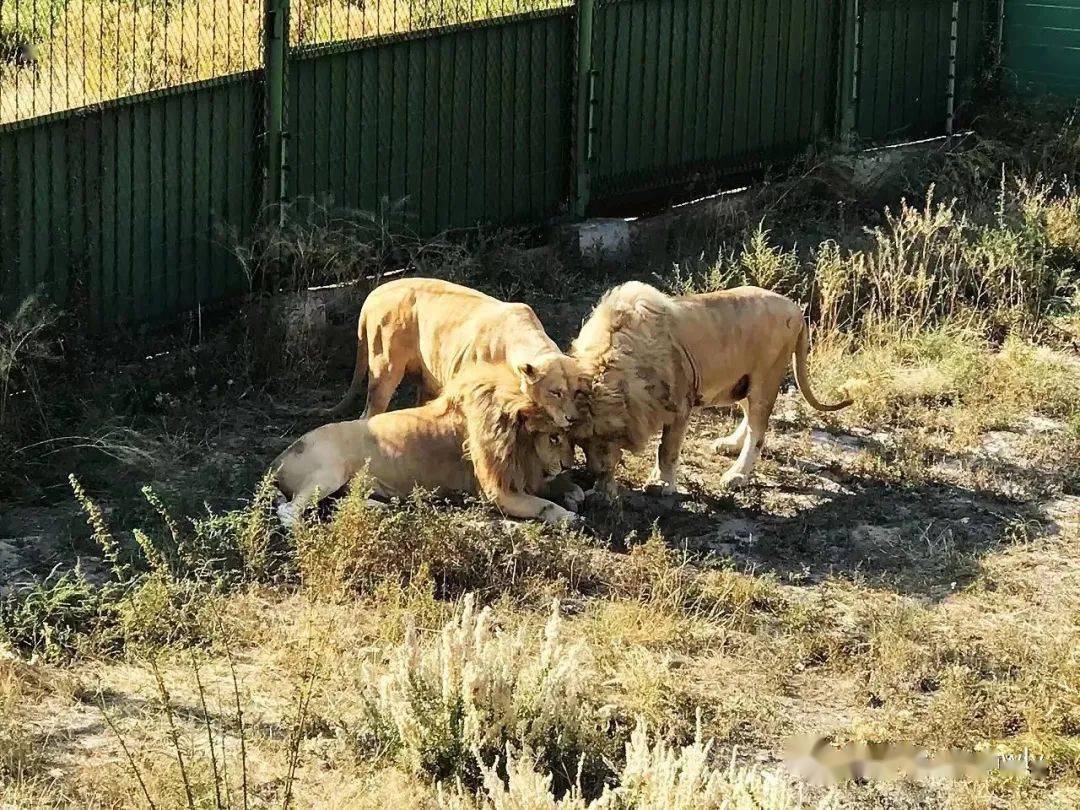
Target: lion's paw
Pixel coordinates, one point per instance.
(555, 514)
(605, 490)
(725, 447)
(574, 498)
(286, 514)
(665, 489)
(734, 480)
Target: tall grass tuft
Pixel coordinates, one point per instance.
(475, 689)
(363, 545)
(757, 261)
(931, 264)
(655, 775)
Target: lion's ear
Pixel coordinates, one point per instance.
(526, 412)
(528, 372)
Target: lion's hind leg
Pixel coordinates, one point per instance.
(731, 445)
(321, 484)
(758, 409)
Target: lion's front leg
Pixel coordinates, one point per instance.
(519, 505)
(605, 486)
(602, 458)
(667, 455)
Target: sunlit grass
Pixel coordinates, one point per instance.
(88, 51)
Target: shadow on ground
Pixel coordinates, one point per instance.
(806, 521)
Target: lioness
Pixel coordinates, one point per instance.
(436, 330)
(481, 436)
(654, 358)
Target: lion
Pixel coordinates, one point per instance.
(653, 359)
(481, 436)
(435, 330)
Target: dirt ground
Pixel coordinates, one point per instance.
(908, 557)
(825, 505)
(816, 508)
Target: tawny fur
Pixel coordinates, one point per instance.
(482, 436)
(653, 358)
(638, 377)
(435, 330)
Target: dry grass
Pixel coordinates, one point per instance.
(432, 656)
(655, 775)
(87, 51)
(392, 692)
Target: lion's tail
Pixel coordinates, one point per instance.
(360, 370)
(802, 350)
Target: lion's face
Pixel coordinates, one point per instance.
(553, 384)
(554, 451)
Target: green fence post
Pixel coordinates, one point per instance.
(850, 54)
(275, 56)
(585, 105)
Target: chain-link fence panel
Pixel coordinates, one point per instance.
(322, 21)
(64, 54)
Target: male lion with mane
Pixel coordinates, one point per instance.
(482, 436)
(436, 330)
(654, 358)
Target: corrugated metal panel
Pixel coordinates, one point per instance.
(1042, 46)
(904, 64)
(690, 87)
(462, 126)
(115, 210)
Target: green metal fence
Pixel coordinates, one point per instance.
(135, 135)
(686, 87)
(1042, 46)
(918, 61)
(464, 126)
(117, 211)
(128, 148)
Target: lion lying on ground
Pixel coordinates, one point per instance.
(653, 359)
(482, 436)
(436, 330)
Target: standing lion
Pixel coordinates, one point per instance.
(653, 358)
(436, 330)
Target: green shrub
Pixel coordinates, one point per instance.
(58, 617)
(160, 611)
